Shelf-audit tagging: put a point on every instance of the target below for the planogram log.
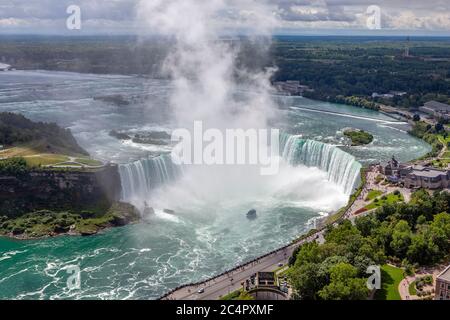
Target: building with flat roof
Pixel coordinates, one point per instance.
(442, 291)
(266, 279)
(291, 87)
(437, 110)
(415, 177)
(4, 67)
(425, 177)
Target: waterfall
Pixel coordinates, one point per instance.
(340, 166)
(139, 178)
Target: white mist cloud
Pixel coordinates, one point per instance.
(203, 68)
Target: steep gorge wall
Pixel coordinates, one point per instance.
(59, 190)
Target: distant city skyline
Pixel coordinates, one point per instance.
(296, 17)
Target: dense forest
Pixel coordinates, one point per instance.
(15, 129)
(410, 235)
(342, 70)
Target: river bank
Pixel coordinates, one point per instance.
(47, 224)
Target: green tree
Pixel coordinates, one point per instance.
(401, 238)
(422, 250)
(306, 281)
(344, 284)
(308, 253)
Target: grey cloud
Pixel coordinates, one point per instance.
(398, 14)
(56, 9)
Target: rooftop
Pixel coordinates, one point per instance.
(445, 275)
(437, 106)
(425, 172)
(266, 276)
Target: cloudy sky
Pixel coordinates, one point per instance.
(412, 17)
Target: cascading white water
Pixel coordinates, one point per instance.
(142, 177)
(139, 178)
(340, 166)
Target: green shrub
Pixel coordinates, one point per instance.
(13, 166)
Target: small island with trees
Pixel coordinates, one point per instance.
(358, 137)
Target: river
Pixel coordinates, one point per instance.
(209, 232)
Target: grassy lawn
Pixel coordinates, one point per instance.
(391, 198)
(390, 280)
(21, 151)
(373, 194)
(412, 289)
(70, 164)
(45, 159)
(88, 162)
(443, 139)
(34, 157)
(440, 163)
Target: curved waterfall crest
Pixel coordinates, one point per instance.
(341, 167)
(139, 178)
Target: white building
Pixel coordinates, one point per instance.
(4, 67)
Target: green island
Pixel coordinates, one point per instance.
(34, 160)
(358, 137)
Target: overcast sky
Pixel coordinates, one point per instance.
(412, 17)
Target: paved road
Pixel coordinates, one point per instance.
(229, 282)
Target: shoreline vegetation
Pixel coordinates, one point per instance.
(50, 220)
(44, 224)
(50, 184)
(358, 137)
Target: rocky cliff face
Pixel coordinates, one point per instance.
(59, 190)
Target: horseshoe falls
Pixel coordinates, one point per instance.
(340, 166)
(142, 177)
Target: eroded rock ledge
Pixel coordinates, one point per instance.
(42, 202)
